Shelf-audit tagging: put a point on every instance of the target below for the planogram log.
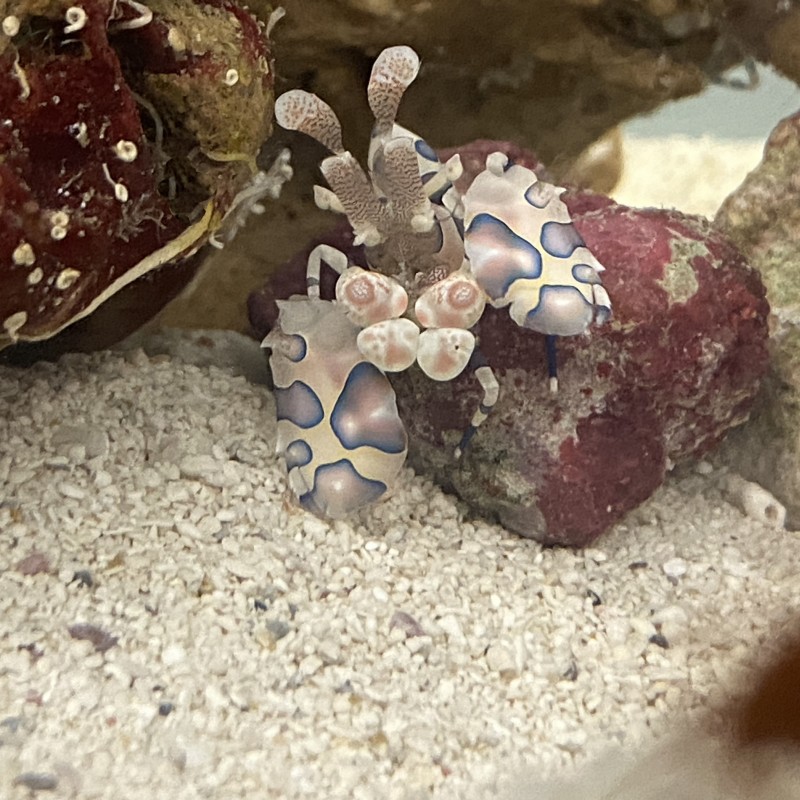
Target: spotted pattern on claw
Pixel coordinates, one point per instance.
(362, 417)
(524, 251)
(391, 345)
(444, 352)
(454, 302)
(370, 297)
(338, 427)
(298, 404)
(297, 454)
(338, 489)
(498, 257)
(560, 239)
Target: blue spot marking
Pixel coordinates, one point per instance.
(425, 150)
(583, 273)
(299, 348)
(339, 490)
(561, 311)
(560, 238)
(437, 196)
(537, 195)
(499, 256)
(602, 314)
(297, 454)
(299, 404)
(365, 415)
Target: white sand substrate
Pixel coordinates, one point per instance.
(258, 652)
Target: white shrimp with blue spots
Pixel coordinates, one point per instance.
(338, 427)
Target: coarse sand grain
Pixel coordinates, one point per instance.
(173, 627)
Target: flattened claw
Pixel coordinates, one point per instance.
(339, 432)
(297, 110)
(444, 352)
(392, 73)
(390, 345)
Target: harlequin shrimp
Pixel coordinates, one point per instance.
(413, 245)
(338, 427)
(436, 258)
(525, 253)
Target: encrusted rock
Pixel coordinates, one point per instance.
(763, 218)
(554, 74)
(127, 130)
(678, 365)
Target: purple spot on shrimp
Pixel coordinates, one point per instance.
(561, 311)
(296, 348)
(539, 194)
(365, 415)
(425, 151)
(583, 273)
(602, 314)
(297, 454)
(560, 239)
(340, 490)
(498, 256)
(299, 404)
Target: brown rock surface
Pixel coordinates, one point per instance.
(769, 30)
(554, 75)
